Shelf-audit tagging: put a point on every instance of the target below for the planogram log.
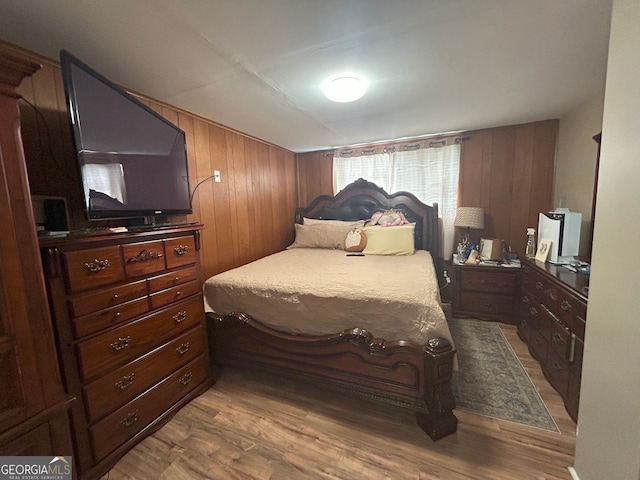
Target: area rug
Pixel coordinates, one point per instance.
(491, 381)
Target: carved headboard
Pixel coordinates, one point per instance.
(360, 199)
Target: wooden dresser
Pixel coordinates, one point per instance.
(485, 292)
(551, 320)
(34, 407)
(129, 319)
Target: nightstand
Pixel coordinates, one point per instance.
(486, 292)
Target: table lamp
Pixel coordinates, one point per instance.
(468, 218)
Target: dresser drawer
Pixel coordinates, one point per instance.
(123, 344)
(173, 278)
(124, 423)
(180, 251)
(527, 317)
(486, 303)
(109, 317)
(561, 340)
(143, 258)
(93, 267)
(534, 284)
(105, 298)
(174, 294)
(122, 385)
(572, 311)
(490, 282)
(557, 372)
(538, 346)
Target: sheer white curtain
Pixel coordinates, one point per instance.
(431, 174)
(374, 168)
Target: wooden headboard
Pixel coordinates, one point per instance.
(361, 199)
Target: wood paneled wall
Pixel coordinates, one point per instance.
(507, 170)
(248, 215)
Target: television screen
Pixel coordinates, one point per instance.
(132, 161)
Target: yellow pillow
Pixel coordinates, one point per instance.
(398, 240)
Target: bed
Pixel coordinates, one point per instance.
(363, 324)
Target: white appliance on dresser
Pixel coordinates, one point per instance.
(562, 227)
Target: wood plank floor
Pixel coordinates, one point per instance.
(256, 426)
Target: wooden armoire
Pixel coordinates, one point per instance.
(34, 408)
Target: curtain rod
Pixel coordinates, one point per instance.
(408, 146)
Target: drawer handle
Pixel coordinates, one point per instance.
(125, 381)
(96, 265)
(181, 249)
(176, 280)
(117, 315)
(556, 366)
(533, 312)
(177, 294)
(144, 256)
(558, 338)
(130, 419)
(523, 322)
(486, 302)
(566, 306)
(552, 295)
(186, 378)
(121, 343)
(525, 299)
(182, 349)
(539, 285)
(180, 317)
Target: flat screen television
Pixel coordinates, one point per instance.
(133, 162)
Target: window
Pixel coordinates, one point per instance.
(431, 174)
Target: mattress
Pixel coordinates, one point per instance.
(322, 291)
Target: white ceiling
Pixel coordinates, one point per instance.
(256, 65)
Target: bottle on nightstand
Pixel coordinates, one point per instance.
(530, 251)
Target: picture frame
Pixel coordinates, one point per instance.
(491, 249)
(544, 247)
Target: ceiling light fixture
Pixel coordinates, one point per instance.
(345, 87)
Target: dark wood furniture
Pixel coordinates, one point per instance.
(598, 139)
(400, 372)
(485, 292)
(34, 407)
(551, 321)
(129, 318)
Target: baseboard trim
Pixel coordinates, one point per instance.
(574, 474)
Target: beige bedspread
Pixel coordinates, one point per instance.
(322, 291)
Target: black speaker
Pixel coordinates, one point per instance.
(55, 215)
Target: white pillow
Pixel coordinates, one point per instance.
(343, 223)
(320, 236)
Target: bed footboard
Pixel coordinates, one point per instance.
(400, 372)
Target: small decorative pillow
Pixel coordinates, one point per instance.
(356, 240)
(389, 218)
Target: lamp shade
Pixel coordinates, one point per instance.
(469, 217)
